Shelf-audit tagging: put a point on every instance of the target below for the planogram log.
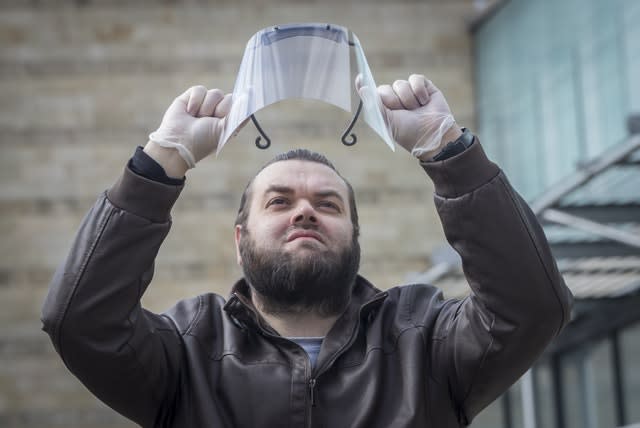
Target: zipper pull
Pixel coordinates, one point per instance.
(312, 386)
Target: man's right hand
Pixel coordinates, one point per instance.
(190, 129)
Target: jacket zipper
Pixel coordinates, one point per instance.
(312, 380)
(312, 387)
(335, 356)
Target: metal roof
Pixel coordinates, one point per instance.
(599, 277)
(592, 223)
(598, 204)
(619, 185)
(634, 157)
(557, 234)
(587, 278)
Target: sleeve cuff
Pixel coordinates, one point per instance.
(143, 164)
(144, 197)
(462, 173)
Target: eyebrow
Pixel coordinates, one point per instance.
(275, 188)
(286, 190)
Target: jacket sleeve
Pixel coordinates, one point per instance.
(482, 344)
(127, 356)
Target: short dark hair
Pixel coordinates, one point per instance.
(305, 155)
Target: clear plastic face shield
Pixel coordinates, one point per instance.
(308, 61)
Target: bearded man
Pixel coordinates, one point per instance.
(303, 340)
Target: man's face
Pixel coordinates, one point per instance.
(297, 248)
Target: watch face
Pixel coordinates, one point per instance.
(455, 147)
(466, 138)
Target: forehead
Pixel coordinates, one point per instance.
(299, 175)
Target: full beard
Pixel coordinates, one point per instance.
(319, 282)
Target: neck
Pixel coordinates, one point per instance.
(296, 323)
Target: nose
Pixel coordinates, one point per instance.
(304, 214)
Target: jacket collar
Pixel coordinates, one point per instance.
(363, 297)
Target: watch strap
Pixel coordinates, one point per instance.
(456, 147)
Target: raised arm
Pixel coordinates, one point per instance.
(481, 345)
(127, 356)
(519, 302)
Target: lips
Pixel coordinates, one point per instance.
(303, 234)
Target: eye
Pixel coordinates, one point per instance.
(329, 205)
(277, 201)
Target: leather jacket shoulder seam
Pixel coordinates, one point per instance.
(472, 383)
(527, 227)
(158, 399)
(390, 351)
(81, 271)
(407, 305)
(234, 354)
(196, 316)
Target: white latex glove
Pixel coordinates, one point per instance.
(193, 123)
(415, 112)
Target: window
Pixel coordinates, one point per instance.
(588, 390)
(544, 395)
(553, 84)
(630, 356)
(491, 417)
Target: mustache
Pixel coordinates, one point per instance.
(303, 226)
(305, 229)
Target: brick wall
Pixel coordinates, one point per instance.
(82, 83)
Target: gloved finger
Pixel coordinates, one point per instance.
(403, 90)
(224, 107)
(369, 95)
(364, 92)
(431, 88)
(184, 97)
(211, 100)
(419, 87)
(389, 98)
(196, 96)
(359, 82)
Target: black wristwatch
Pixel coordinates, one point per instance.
(456, 147)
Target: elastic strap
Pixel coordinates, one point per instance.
(182, 150)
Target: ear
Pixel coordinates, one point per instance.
(238, 234)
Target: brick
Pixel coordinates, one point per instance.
(84, 82)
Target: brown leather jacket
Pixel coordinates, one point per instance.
(400, 358)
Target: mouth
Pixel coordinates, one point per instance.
(304, 234)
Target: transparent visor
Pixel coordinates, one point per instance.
(308, 61)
